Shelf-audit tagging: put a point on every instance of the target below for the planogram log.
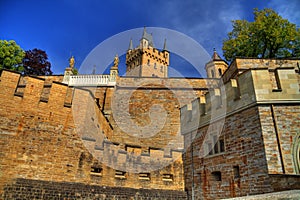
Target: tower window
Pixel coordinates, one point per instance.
(220, 72)
(212, 73)
(236, 171)
(148, 62)
(154, 65)
(216, 145)
(161, 69)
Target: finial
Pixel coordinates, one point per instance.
(130, 44)
(72, 62)
(165, 45)
(215, 55)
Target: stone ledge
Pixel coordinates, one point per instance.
(289, 194)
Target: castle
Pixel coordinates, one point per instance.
(148, 136)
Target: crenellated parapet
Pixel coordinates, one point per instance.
(35, 90)
(246, 82)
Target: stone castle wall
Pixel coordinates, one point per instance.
(254, 115)
(54, 133)
(40, 141)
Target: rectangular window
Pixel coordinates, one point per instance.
(222, 145)
(96, 171)
(216, 176)
(120, 174)
(216, 147)
(144, 176)
(167, 177)
(154, 65)
(161, 69)
(236, 171)
(210, 149)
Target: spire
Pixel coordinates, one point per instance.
(144, 33)
(148, 37)
(165, 45)
(130, 44)
(216, 56)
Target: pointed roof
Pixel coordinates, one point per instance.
(130, 45)
(148, 37)
(215, 56)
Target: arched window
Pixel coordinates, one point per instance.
(212, 73)
(220, 71)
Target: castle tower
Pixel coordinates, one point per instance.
(145, 60)
(216, 66)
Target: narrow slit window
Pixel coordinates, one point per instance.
(236, 171)
(222, 145)
(220, 72)
(216, 146)
(167, 177)
(120, 174)
(144, 176)
(96, 171)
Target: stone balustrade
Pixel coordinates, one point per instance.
(89, 80)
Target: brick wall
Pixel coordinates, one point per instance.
(257, 121)
(243, 149)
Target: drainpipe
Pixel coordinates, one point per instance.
(192, 165)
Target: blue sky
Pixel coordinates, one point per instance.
(75, 27)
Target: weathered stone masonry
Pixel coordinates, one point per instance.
(258, 128)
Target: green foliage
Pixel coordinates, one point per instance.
(75, 71)
(269, 36)
(11, 55)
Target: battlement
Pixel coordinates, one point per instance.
(35, 90)
(241, 64)
(245, 85)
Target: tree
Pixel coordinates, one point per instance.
(11, 55)
(36, 62)
(269, 36)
